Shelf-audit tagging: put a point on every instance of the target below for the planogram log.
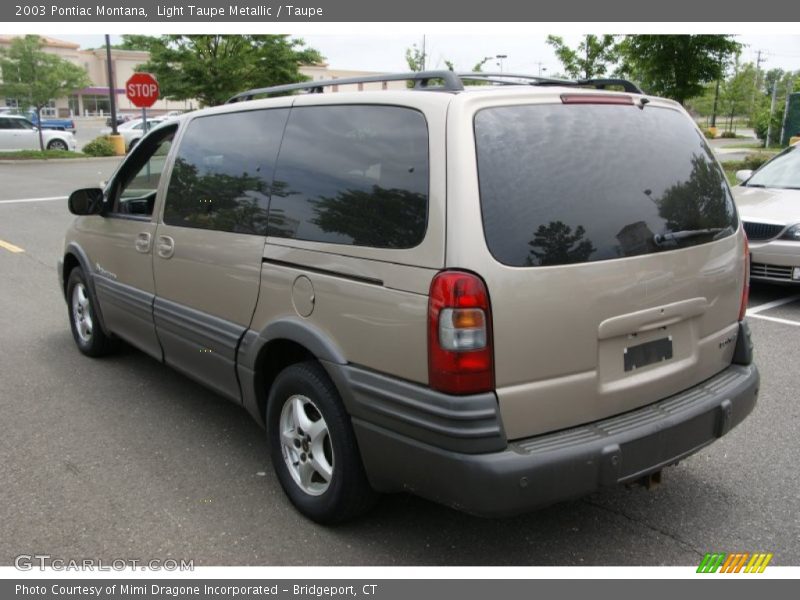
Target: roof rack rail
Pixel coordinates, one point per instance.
(600, 84)
(502, 78)
(422, 80)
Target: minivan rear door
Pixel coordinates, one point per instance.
(210, 241)
(609, 245)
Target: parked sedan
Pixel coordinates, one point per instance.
(134, 130)
(769, 204)
(18, 133)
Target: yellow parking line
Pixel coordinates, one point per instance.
(10, 247)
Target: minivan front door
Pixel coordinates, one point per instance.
(120, 245)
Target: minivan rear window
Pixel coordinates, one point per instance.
(563, 184)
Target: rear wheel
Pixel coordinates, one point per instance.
(313, 447)
(86, 331)
(57, 145)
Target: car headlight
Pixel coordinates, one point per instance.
(793, 233)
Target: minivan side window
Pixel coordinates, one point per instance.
(352, 174)
(134, 190)
(223, 171)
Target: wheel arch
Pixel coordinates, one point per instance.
(262, 355)
(74, 256)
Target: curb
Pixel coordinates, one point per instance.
(28, 161)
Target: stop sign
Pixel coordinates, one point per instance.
(142, 90)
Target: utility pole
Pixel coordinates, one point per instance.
(784, 133)
(759, 60)
(112, 89)
(771, 110)
(539, 63)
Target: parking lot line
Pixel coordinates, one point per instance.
(50, 199)
(10, 247)
(775, 319)
(773, 304)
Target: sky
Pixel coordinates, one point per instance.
(524, 53)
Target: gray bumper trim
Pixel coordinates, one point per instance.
(567, 464)
(468, 424)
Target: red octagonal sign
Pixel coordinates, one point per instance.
(142, 90)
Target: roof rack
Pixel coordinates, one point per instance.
(422, 80)
(446, 81)
(600, 84)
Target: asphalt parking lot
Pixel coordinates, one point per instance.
(124, 458)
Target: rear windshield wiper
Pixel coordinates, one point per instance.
(674, 236)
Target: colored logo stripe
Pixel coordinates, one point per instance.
(711, 563)
(758, 563)
(735, 562)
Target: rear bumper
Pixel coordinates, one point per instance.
(545, 469)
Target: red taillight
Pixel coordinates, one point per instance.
(459, 334)
(746, 286)
(596, 99)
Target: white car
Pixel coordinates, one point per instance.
(18, 133)
(134, 130)
(769, 205)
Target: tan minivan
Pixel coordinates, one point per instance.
(496, 296)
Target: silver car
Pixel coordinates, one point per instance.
(769, 204)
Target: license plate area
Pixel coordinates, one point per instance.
(641, 355)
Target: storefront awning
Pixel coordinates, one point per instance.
(100, 90)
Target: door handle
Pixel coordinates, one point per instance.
(165, 246)
(142, 242)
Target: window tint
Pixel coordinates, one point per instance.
(354, 175)
(566, 184)
(223, 169)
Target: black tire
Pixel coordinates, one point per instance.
(92, 341)
(57, 145)
(348, 493)
(132, 145)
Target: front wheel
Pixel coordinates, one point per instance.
(313, 447)
(89, 336)
(57, 145)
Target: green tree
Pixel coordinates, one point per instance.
(31, 75)
(136, 42)
(736, 92)
(212, 68)
(416, 58)
(676, 66)
(592, 58)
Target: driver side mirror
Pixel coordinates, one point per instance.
(87, 201)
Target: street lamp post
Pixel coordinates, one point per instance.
(500, 58)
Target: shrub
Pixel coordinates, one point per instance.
(754, 161)
(727, 134)
(709, 133)
(100, 146)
